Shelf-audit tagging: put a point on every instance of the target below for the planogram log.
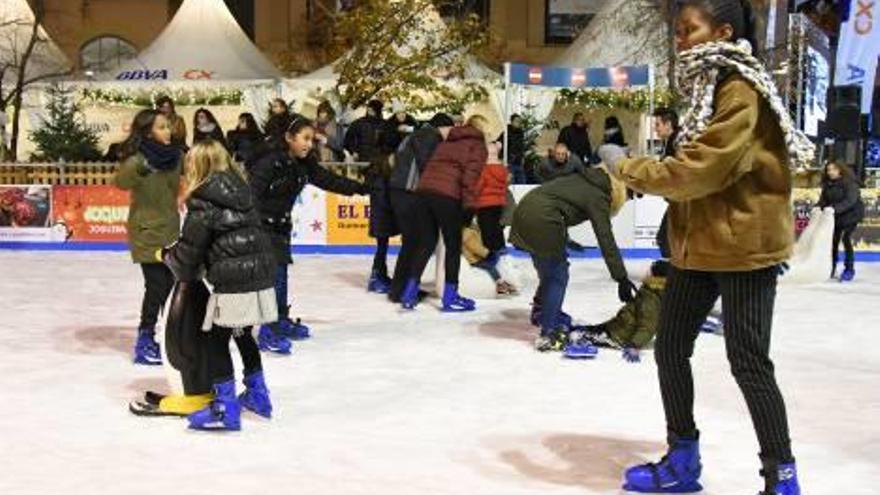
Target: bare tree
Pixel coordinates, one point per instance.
(25, 59)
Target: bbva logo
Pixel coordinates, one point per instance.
(142, 75)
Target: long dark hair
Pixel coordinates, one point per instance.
(141, 128)
(737, 13)
(846, 173)
(252, 129)
(208, 115)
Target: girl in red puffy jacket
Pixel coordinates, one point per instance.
(491, 199)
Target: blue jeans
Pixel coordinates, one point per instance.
(552, 284)
(518, 170)
(281, 291)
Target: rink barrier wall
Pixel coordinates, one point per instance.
(318, 249)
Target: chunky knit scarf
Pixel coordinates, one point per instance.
(698, 77)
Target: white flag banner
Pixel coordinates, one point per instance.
(859, 48)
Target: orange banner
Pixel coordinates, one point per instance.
(348, 220)
(92, 213)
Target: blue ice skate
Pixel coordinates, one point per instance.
(146, 350)
(255, 397)
(379, 283)
(293, 329)
(453, 302)
(677, 472)
(269, 341)
(781, 479)
(222, 414)
(409, 298)
(582, 349)
(848, 275)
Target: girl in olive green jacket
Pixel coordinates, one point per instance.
(150, 170)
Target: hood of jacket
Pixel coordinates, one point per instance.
(225, 189)
(464, 133)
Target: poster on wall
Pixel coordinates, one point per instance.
(25, 213)
(91, 213)
(564, 19)
(865, 238)
(817, 79)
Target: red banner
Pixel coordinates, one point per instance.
(92, 213)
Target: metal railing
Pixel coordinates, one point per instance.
(100, 173)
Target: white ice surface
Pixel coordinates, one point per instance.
(382, 402)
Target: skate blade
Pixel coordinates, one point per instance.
(145, 409)
(692, 487)
(580, 357)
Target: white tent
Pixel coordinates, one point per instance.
(624, 32)
(16, 26)
(203, 43)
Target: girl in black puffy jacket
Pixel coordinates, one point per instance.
(222, 241)
(840, 190)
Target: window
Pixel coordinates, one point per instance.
(105, 53)
(481, 8)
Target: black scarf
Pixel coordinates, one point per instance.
(162, 157)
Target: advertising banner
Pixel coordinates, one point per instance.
(348, 220)
(25, 213)
(91, 213)
(859, 47)
(567, 77)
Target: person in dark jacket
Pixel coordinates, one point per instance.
(205, 126)
(410, 161)
(560, 162)
(222, 240)
(516, 146)
(382, 224)
(245, 138)
(448, 188)
(665, 128)
(614, 132)
(277, 179)
(540, 227)
(840, 190)
(150, 171)
(366, 137)
(577, 137)
(328, 134)
(399, 126)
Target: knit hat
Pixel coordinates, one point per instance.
(397, 107)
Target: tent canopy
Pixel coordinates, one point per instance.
(16, 26)
(203, 43)
(624, 32)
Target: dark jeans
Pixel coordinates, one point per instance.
(491, 231)
(158, 282)
(404, 204)
(380, 259)
(518, 171)
(439, 214)
(748, 299)
(663, 237)
(552, 284)
(219, 360)
(843, 234)
(281, 291)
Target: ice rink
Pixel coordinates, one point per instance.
(385, 402)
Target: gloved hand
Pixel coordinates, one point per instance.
(611, 155)
(782, 268)
(631, 354)
(626, 290)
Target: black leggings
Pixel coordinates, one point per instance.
(491, 231)
(380, 259)
(405, 207)
(843, 234)
(439, 214)
(158, 282)
(219, 360)
(748, 299)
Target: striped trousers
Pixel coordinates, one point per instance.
(747, 299)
